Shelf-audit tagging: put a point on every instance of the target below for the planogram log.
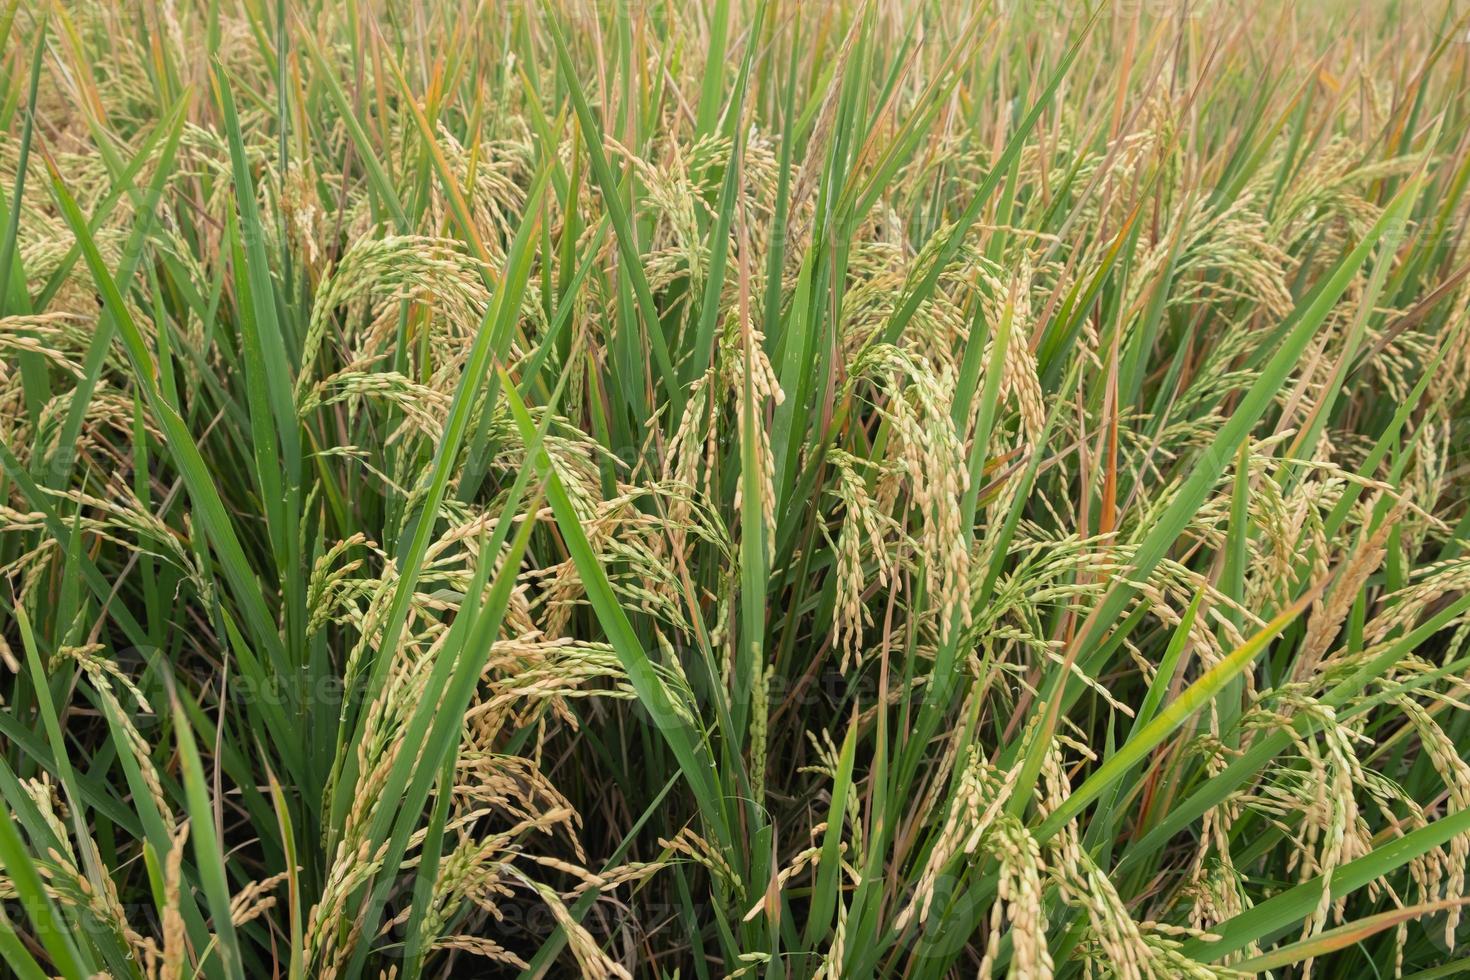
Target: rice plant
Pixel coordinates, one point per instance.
(737, 488)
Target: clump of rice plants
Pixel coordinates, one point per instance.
(737, 488)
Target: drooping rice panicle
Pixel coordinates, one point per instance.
(744, 487)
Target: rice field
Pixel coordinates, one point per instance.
(761, 488)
